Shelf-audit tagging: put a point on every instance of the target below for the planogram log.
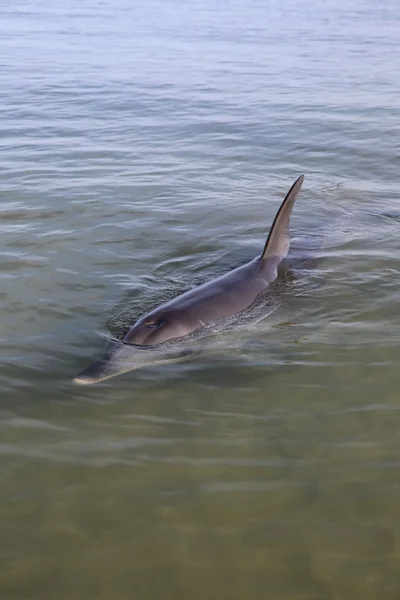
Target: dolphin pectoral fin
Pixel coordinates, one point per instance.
(277, 244)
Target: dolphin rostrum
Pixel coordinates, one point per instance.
(198, 308)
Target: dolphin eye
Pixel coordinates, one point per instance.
(153, 324)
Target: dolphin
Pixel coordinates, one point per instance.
(149, 340)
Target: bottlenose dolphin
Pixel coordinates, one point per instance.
(199, 308)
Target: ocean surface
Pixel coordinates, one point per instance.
(145, 148)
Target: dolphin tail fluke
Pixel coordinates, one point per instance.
(277, 244)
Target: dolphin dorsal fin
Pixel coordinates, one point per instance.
(277, 244)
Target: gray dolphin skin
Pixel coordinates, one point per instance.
(147, 341)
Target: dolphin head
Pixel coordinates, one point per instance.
(158, 327)
(145, 344)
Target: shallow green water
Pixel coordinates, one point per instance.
(144, 149)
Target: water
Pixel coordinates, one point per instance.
(145, 147)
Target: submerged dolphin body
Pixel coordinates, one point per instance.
(147, 341)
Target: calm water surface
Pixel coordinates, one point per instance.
(145, 147)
